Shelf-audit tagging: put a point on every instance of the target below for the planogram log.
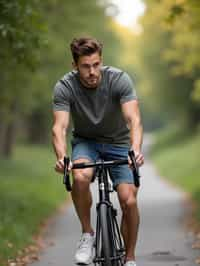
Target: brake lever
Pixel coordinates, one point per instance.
(135, 168)
(66, 177)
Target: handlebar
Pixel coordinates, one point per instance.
(66, 178)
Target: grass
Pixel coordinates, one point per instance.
(30, 191)
(177, 156)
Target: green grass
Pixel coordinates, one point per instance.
(177, 156)
(30, 191)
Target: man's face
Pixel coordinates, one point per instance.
(89, 68)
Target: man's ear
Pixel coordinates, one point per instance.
(74, 65)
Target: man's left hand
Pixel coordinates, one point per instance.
(139, 157)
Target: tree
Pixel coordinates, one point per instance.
(20, 37)
(166, 88)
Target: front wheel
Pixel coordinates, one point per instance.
(106, 237)
(109, 237)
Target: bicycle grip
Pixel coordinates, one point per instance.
(135, 168)
(66, 177)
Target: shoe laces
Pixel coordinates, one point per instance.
(84, 242)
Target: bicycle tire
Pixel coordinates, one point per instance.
(106, 240)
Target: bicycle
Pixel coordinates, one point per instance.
(109, 247)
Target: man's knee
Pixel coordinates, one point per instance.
(128, 198)
(81, 179)
(129, 203)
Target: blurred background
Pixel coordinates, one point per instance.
(156, 42)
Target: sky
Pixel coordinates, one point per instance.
(129, 12)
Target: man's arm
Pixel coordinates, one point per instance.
(60, 126)
(131, 114)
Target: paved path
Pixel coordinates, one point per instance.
(162, 240)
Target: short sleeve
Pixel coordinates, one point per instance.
(126, 88)
(61, 97)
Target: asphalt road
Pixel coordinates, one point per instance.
(162, 241)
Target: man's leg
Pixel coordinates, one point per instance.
(83, 151)
(82, 201)
(81, 195)
(130, 218)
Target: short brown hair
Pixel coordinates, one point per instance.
(85, 46)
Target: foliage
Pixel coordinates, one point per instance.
(183, 22)
(21, 30)
(20, 25)
(167, 60)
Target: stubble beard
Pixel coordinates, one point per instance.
(91, 85)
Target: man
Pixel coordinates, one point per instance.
(104, 108)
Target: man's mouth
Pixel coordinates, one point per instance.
(92, 78)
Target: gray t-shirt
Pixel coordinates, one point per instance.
(96, 113)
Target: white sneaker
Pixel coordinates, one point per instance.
(84, 252)
(130, 263)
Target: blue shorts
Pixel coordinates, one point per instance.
(93, 151)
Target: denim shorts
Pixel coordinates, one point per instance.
(93, 151)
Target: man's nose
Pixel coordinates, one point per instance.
(92, 70)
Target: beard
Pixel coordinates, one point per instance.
(92, 81)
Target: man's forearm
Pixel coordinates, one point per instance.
(59, 143)
(136, 136)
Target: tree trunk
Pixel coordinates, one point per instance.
(9, 139)
(7, 132)
(2, 135)
(194, 116)
(38, 128)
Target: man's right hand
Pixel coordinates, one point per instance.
(60, 166)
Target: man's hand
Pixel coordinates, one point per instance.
(60, 166)
(139, 157)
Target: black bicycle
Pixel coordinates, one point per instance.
(109, 247)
